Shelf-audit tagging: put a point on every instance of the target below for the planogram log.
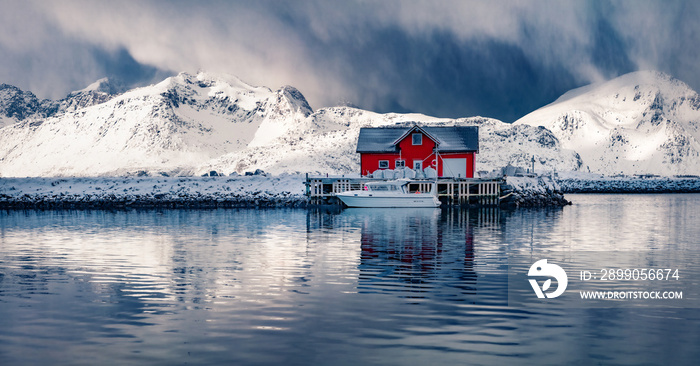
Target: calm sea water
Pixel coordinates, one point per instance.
(358, 286)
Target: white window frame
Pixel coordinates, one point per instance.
(401, 161)
(386, 164)
(418, 164)
(420, 138)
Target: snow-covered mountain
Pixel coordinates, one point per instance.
(192, 124)
(640, 123)
(96, 93)
(170, 127)
(326, 143)
(18, 105)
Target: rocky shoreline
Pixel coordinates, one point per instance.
(261, 191)
(532, 192)
(153, 192)
(148, 201)
(253, 191)
(631, 185)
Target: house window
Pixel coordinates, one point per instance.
(400, 164)
(417, 139)
(383, 164)
(418, 164)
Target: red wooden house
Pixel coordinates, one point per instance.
(450, 150)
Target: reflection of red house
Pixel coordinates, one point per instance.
(415, 147)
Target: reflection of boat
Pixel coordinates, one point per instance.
(416, 253)
(389, 194)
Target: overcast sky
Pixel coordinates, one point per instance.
(441, 58)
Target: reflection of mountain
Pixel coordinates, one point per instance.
(418, 252)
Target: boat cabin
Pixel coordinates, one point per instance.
(393, 186)
(448, 151)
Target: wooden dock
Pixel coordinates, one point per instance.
(451, 191)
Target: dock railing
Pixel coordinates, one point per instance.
(451, 191)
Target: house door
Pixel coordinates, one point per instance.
(454, 167)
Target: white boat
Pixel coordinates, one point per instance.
(389, 194)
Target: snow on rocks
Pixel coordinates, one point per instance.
(168, 192)
(532, 192)
(249, 191)
(631, 184)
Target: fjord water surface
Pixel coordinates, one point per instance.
(354, 286)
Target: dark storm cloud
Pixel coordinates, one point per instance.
(446, 58)
(121, 66)
(36, 55)
(441, 75)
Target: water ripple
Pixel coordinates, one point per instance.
(318, 287)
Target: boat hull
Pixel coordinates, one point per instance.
(405, 200)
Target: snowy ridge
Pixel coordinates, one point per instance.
(326, 144)
(169, 127)
(96, 93)
(190, 124)
(18, 105)
(640, 123)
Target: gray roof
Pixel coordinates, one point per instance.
(450, 138)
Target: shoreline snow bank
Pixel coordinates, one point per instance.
(286, 190)
(629, 184)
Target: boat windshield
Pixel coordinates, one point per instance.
(383, 187)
